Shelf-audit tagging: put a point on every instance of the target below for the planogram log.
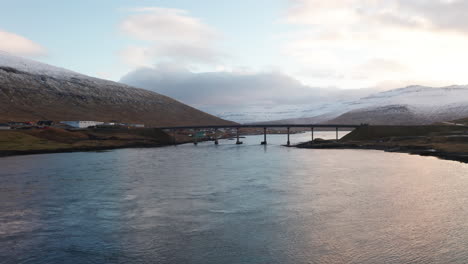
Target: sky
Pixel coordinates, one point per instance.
(245, 51)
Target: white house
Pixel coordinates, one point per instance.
(82, 124)
(133, 125)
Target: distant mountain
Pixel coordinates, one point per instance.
(320, 108)
(30, 90)
(388, 115)
(405, 106)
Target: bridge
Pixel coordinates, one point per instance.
(264, 126)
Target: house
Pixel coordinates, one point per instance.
(4, 126)
(20, 125)
(82, 124)
(133, 125)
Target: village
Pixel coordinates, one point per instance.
(79, 124)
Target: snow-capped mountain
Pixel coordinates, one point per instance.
(30, 90)
(320, 111)
(410, 105)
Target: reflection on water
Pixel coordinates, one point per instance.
(233, 204)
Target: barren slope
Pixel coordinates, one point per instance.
(34, 91)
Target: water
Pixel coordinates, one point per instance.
(233, 204)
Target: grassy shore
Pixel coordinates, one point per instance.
(443, 141)
(52, 140)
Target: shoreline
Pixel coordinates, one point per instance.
(408, 149)
(56, 140)
(10, 153)
(71, 149)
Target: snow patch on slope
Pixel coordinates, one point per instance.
(34, 67)
(426, 103)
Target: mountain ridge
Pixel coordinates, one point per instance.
(31, 90)
(418, 105)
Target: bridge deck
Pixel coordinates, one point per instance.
(264, 126)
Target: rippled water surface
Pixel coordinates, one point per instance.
(233, 204)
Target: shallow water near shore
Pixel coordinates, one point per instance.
(233, 204)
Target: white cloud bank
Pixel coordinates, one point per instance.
(242, 96)
(18, 45)
(233, 88)
(168, 35)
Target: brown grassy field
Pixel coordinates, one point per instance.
(59, 140)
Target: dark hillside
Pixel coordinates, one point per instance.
(32, 91)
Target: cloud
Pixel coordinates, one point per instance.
(240, 95)
(367, 42)
(234, 88)
(446, 15)
(19, 45)
(169, 35)
(427, 14)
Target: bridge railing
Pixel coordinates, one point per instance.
(267, 126)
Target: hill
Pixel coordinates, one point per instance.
(391, 115)
(30, 90)
(413, 105)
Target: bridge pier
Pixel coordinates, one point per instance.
(216, 137)
(174, 137)
(288, 143)
(264, 142)
(238, 142)
(336, 133)
(312, 134)
(195, 137)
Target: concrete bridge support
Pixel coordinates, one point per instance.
(336, 133)
(288, 143)
(216, 137)
(174, 140)
(195, 137)
(312, 134)
(264, 142)
(238, 142)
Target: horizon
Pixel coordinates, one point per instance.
(283, 56)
